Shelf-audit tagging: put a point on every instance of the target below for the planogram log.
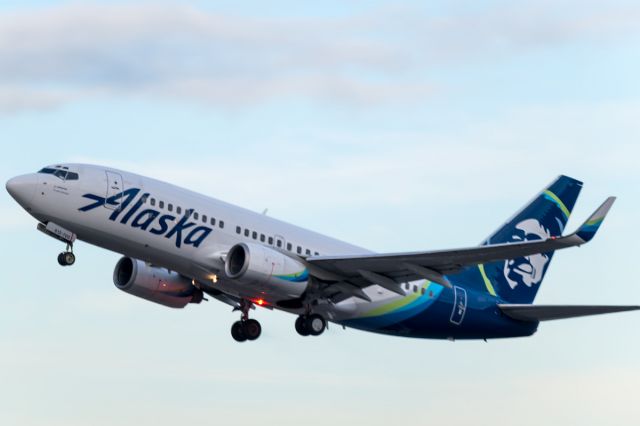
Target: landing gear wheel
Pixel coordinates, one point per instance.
(69, 258)
(66, 258)
(315, 324)
(251, 329)
(237, 332)
(245, 329)
(301, 326)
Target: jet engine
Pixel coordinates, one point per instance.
(266, 270)
(155, 284)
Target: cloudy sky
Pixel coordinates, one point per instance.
(393, 125)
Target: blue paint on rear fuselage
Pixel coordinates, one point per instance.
(482, 320)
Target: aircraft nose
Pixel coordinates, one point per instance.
(22, 188)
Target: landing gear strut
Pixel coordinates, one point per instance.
(246, 328)
(67, 258)
(312, 324)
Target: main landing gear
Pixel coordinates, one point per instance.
(67, 258)
(250, 329)
(311, 325)
(245, 329)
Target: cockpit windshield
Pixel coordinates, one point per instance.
(60, 173)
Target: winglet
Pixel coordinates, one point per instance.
(588, 229)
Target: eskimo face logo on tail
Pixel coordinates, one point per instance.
(149, 220)
(527, 270)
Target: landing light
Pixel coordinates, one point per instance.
(260, 302)
(214, 279)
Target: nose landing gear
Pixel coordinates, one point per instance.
(66, 258)
(246, 328)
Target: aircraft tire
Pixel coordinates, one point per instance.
(61, 260)
(301, 326)
(251, 329)
(69, 258)
(315, 324)
(237, 332)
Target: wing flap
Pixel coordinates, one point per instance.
(532, 313)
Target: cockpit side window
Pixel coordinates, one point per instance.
(62, 174)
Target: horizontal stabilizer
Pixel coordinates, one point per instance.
(553, 312)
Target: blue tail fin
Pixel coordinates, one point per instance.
(518, 280)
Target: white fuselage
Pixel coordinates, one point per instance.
(197, 249)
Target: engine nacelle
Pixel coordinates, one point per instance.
(266, 270)
(155, 284)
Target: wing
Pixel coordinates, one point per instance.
(354, 272)
(553, 312)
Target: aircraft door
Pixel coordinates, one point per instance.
(459, 305)
(115, 186)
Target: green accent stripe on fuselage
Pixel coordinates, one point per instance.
(398, 303)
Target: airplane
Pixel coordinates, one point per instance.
(179, 247)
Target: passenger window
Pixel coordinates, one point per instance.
(195, 216)
(238, 229)
(308, 252)
(415, 288)
(270, 241)
(279, 244)
(213, 223)
(221, 223)
(153, 201)
(179, 210)
(299, 250)
(424, 290)
(262, 237)
(170, 207)
(289, 246)
(254, 235)
(407, 286)
(162, 204)
(204, 218)
(246, 232)
(144, 198)
(316, 254)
